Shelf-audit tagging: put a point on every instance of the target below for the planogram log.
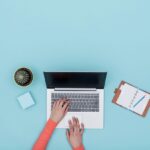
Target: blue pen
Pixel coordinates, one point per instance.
(138, 101)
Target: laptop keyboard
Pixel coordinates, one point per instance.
(79, 102)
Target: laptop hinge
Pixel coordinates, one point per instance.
(75, 89)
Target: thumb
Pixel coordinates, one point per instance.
(68, 134)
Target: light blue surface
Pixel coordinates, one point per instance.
(66, 35)
(26, 100)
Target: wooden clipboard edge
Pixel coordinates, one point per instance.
(117, 94)
(146, 109)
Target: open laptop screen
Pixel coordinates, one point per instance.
(75, 79)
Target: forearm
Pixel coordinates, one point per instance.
(45, 135)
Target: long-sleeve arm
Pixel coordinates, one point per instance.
(79, 148)
(45, 135)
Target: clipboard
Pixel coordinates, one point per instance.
(118, 92)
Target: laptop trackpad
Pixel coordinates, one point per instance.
(69, 117)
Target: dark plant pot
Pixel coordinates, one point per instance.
(23, 76)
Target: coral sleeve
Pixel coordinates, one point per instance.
(45, 135)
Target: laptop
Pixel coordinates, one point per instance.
(84, 90)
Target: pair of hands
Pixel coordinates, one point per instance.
(75, 131)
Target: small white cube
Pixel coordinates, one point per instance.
(26, 100)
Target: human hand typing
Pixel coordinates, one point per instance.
(59, 110)
(75, 132)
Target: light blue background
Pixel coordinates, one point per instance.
(73, 35)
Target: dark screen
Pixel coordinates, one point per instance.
(75, 79)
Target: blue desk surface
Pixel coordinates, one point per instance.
(66, 35)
